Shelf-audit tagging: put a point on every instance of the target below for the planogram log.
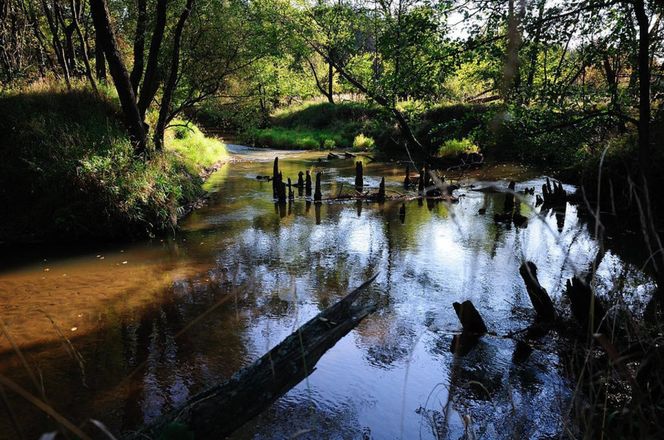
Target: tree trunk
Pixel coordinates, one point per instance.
(139, 45)
(151, 78)
(644, 88)
(106, 36)
(165, 108)
(330, 83)
(100, 59)
(84, 43)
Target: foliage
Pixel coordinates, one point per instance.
(363, 143)
(455, 147)
(69, 169)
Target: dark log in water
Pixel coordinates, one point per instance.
(470, 318)
(317, 194)
(359, 176)
(307, 185)
(220, 410)
(538, 295)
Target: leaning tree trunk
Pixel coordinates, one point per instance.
(139, 45)
(165, 109)
(102, 22)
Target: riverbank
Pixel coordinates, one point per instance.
(69, 171)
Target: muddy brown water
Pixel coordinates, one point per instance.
(122, 333)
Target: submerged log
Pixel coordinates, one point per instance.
(307, 185)
(470, 318)
(221, 409)
(333, 156)
(586, 307)
(317, 194)
(359, 176)
(537, 294)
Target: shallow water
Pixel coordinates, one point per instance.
(120, 334)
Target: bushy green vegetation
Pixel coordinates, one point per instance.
(454, 147)
(319, 125)
(70, 170)
(363, 143)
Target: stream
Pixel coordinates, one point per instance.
(122, 333)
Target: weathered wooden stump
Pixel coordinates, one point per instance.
(509, 197)
(381, 191)
(586, 307)
(554, 194)
(317, 194)
(471, 320)
(291, 195)
(359, 176)
(538, 296)
(307, 185)
(275, 175)
(421, 181)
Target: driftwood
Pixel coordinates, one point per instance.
(537, 294)
(221, 409)
(331, 156)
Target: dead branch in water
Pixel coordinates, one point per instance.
(221, 409)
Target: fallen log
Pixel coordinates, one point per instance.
(221, 409)
(538, 295)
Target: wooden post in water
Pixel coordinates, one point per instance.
(420, 182)
(586, 307)
(359, 177)
(406, 181)
(537, 294)
(275, 175)
(308, 185)
(317, 194)
(282, 189)
(509, 197)
(381, 191)
(402, 213)
(291, 195)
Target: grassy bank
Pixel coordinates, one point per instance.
(530, 135)
(68, 169)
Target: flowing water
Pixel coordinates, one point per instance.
(123, 333)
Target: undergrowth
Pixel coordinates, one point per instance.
(68, 169)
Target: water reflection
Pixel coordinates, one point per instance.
(189, 311)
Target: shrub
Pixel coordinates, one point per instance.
(454, 147)
(362, 142)
(329, 144)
